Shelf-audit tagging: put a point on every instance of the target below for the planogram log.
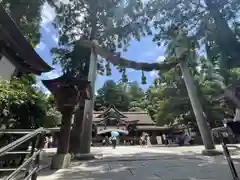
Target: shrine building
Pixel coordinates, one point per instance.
(130, 125)
(17, 56)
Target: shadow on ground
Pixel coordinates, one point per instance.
(146, 166)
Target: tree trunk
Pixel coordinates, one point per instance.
(78, 118)
(197, 107)
(86, 135)
(75, 141)
(64, 139)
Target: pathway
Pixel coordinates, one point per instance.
(179, 163)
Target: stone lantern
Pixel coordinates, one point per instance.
(69, 93)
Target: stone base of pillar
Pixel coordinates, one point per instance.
(60, 161)
(211, 152)
(87, 156)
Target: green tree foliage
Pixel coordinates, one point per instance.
(213, 23)
(137, 96)
(111, 23)
(135, 91)
(125, 96)
(113, 94)
(173, 104)
(53, 118)
(210, 27)
(168, 100)
(23, 107)
(75, 60)
(27, 15)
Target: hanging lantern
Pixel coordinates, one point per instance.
(108, 69)
(124, 76)
(144, 79)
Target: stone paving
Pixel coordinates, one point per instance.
(153, 163)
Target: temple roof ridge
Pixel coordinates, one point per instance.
(111, 107)
(141, 117)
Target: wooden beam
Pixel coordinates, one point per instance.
(126, 63)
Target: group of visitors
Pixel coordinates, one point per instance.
(180, 139)
(145, 140)
(48, 142)
(110, 141)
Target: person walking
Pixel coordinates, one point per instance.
(104, 142)
(114, 141)
(46, 141)
(50, 142)
(142, 140)
(148, 141)
(165, 139)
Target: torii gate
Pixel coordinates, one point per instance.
(85, 141)
(181, 53)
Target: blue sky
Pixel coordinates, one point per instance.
(145, 50)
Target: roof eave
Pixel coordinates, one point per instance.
(17, 37)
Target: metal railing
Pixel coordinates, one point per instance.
(31, 162)
(234, 126)
(228, 157)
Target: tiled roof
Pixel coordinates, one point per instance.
(10, 31)
(152, 127)
(142, 117)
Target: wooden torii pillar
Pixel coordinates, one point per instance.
(69, 93)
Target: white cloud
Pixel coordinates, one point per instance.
(55, 38)
(51, 75)
(160, 59)
(41, 46)
(130, 70)
(153, 52)
(48, 14)
(153, 73)
(47, 28)
(149, 53)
